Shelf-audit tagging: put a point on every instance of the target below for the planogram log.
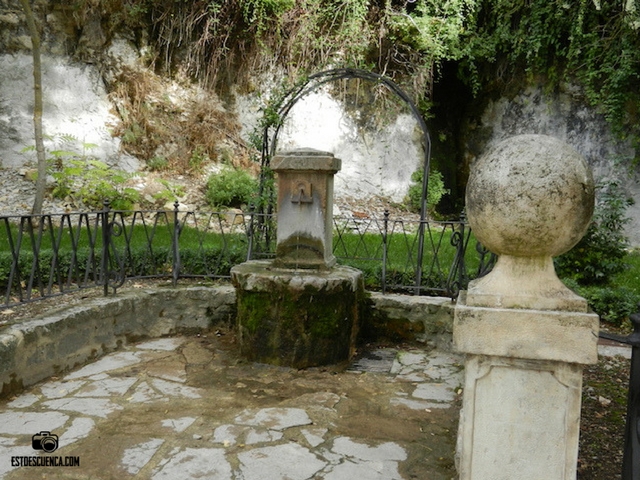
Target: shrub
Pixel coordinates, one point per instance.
(89, 182)
(435, 191)
(171, 192)
(231, 188)
(86, 180)
(612, 304)
(198, 159)
(157, 163)
(600, 254)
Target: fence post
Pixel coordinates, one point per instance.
(631, 459)
(252, 212)
(106, 234)
(175, 247)
(460, 252)
(418, 279)
(384, 251)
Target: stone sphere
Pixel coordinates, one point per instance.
(530, 196)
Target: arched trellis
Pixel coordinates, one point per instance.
(312, 84)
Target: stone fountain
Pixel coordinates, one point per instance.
(301, 309)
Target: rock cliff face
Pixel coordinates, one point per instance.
(84, 61)
(562, 115)
(75, 104)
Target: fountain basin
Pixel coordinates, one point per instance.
(297, 318)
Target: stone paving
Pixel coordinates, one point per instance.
(187, 407)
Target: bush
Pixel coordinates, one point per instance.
(435, 191)
(601, 252)
(84, 179)
(612, 304)
(231, 188)
(89, 182)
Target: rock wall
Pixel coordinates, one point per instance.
(376, 161)
(563, 115)
(75, 105)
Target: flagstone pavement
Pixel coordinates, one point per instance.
(187, 407)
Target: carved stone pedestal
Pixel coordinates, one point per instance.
(523, 383)
(525, 335)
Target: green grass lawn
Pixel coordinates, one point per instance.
(145, 249)
(71, 252)
(366, 251)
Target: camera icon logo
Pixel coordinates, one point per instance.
(46, 441)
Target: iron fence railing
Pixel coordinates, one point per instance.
(411, 256)
(631, 457)
(47, 255)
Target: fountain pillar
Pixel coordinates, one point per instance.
(305, 208)
(300, 309)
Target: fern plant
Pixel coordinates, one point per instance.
(85, 180)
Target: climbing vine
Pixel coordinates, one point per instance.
(593, 43)
(495, 43)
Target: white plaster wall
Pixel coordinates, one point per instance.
(75, 103)
(373, 162)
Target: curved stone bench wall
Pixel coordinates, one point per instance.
(67, 337)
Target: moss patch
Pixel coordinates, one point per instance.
(299, 328)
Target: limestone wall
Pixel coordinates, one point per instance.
(75, 105)
(375, 160)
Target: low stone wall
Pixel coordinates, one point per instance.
(67, 337)
(407, 318)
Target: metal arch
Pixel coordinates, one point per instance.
(313, 83)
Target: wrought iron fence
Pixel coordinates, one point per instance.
(631, 457)
(47, 255)
(411, 256)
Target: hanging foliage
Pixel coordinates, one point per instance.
(593, 43)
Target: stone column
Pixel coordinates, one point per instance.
(525, 335)
(305, 208)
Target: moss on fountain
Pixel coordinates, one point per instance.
(295, 318)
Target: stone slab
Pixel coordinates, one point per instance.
(529, 334)
(136, 457)
(306, 159)
(29, 423)
(289, 460)
(205, 463)
(274, 418)
(80, 428)
(97, 407)
(520, 419)
(178, 424)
